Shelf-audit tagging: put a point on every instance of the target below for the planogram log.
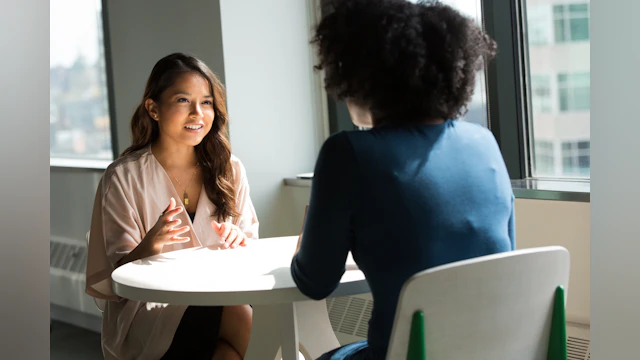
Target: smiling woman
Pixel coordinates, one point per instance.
(180, 151)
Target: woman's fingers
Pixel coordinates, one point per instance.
(216, 227)
(171, 224)
(180, 240)
(233, 239)
(178, 231)
(172, 204)
(226, 230)
(173, 212)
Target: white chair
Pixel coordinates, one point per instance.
(497, 307)
(100, 303)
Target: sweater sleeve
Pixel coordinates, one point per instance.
(327, 233)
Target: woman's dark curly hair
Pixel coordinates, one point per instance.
(404, 61)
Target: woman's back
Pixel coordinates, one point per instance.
(431, 195)
(416, 197)
(402, 197)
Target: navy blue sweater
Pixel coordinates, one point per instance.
(402, 199)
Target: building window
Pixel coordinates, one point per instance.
(80, 125)
(544, 160)
(539, 26)
(541, 93)
(576, 158)
(574, 91)
(571, 22)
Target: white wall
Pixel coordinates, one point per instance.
(143, 32)
(615, 170)
(274, 122)
(549, 223)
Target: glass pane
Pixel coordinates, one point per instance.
(558, 11)
(579, 9)
(79, 108)
(579, 29)
(559, 30)
(581, 99)
(539, 21)
(566, 63)
(541, 93)
(563, 99)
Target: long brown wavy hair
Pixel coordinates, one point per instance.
(214, 152)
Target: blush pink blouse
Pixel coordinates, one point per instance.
(133, 193)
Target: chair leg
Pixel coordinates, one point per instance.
(417, 346)
(558, 337)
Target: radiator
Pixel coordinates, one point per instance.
(69, 302)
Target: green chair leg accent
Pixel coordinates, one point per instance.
(417, 347)
(558, 336)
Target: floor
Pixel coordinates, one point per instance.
(69, 342)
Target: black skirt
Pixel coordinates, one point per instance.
(197, 334)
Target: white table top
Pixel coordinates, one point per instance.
(258, 274)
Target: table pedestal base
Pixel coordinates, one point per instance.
(292, 327)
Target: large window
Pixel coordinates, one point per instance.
(535, 96)
(559, 88)
(80, 126)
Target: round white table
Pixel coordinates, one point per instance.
(259, 274)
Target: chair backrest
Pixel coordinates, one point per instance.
(100, 303)
(492, 307)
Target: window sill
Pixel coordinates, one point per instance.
(555, 190)
(78, 164)
(552, 189)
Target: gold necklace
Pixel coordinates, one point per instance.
(185, 195)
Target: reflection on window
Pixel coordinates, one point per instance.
(541, 93)
(571, 22)
(544, 159)
(559, 87)
(574, 92)
(79, 109)
(576, 158)
(539, 25)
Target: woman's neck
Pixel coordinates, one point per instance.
(174, 156)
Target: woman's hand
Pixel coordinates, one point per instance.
(230, 235)
(164, 232)
(161, 234)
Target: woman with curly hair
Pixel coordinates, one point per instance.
(177, 186)
(418, 190)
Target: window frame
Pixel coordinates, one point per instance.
(507, 80)
(92, 164)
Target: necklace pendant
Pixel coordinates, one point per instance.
(186, 198)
